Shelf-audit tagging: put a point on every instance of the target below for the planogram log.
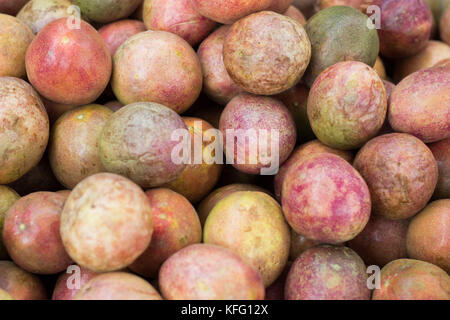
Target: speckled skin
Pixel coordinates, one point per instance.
(61, 290)
(295, 99)
(251, 224)
(218, 84)
(230, 11)
(382, 241)
(24, 129)
(73, 149)
(11, 7)
(301, 152)
(409, 279)
(433, 53)
(214, 197)
(209, 272)
(339, 33)
(106, 223)
(251, 112)
(197, 180)
(116, 33)
(405, 27)
(105, 11)
(401, 173)
(266, 53)
(428, 237)
(279, 6)
(20, 284)
(296, 14)
(136, 143)
(117, 286)
(31, 233)
(445, 26)
(347, 105)
(69, 66)
(325, 199)
(7, 198)
(179, 17)
(157, 66)
(4, 295)
(420, 105)
(380, 69)
(15, 37)
(300, 244)
(327, 273)
(38, 13)
(276, 290)
(441, 152)
(176, 225)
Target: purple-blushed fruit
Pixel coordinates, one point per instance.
(24, 129)
(266, 53)
(70, 282)
(209, 272)
(327, 273)
(300, 244)
(441, 152)
(117, 286)
(20, 284)
(106, 222)
(73, 146)
(114, 105)
(105, 11)
(325, 199)
(294, 13)
(347, 105)
(428, 237)
(7, 198)
(116, 33)
(136, 142)
(175, 226)
(409, 279)
(279, 6)
(382, 241)
(31, 233)
(401, 173)
(246, 220)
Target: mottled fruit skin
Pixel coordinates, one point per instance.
(176, 225)
(157, 66)
(347, 105)
(419, 105)
(116, 33)
(136, 143)
(209, 272)
(4, 295)
(106, 223)
(31, 233)
(179, 17)
(325, 199)
(248, 113)
(433, 53)
(66, 286)
(105, 11)
(15, 37)
(445, 26)
(207, 204)
(11, 7)
(74, 144)
(7, 198)
(117, 286)
(301, 152)
(327, 273)
(227, 12)
(218, 84)
(339, 33)
(441, 152)
(295, 99)
(401, 173)
(68, 65)
(20, 284)
(38, 13)
(300, 244)
(405, 27)
(24, 129)
(246, 220)
(409, 279)
(382, 241)
(428, 237)
(197, 180)
(266, 53)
